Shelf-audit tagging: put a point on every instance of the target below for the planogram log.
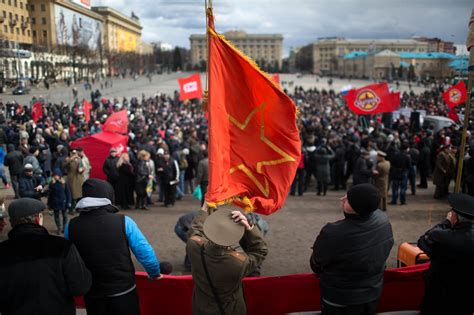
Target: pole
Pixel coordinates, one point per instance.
(470, 94)
(207, 43)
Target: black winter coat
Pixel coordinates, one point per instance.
(14, 161)
(349, 256)
(27, 185)
(451, 272)
(40, 273)
(58, 197)
(110, 169)
(399, 165)
(361, 173)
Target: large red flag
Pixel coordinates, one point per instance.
(372, 99)
(37, 111)
(455, 95)
(254, 144)
(190, 87)
(117, 122)
(87, 110)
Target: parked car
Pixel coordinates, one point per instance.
(439, 122)
(20, 90)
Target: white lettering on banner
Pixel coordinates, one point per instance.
(190, 87)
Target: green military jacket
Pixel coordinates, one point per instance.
(227, 267)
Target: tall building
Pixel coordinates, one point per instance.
(121, 33)
(265, 49)
(328, 52)
(15, 29)
(61, 23)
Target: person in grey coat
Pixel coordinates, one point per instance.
(362, 169)
(323, 171)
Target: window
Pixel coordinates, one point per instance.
(12, 29)
(21, 5)
(28, 32)
(34, 33)
(22, 18)
(10, 15)
(15, 3)
(32, 7)
(23, 31)
(5, 14)
(33, 21)
(5, 28)
(17, 31)
(45, 34)
(43, 7)
(16, 17)
(43, 20)
(9, 2)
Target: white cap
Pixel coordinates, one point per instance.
(160, 151)
(28, 166)
(186, 151)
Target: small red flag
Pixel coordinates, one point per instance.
(395, 100)
(87, 110)
(453, 114)
(117, 122)
(372, 99)
(190, 87)
(37, 111)
(455, 95)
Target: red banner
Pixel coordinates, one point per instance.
(402, 290)
(254, 144)
(37, 111)
(455, 95)
(372, 99)
(87, 110)
(117, 122)
(190, 87)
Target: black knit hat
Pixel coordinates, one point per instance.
(24, 207)
(364, 198)
(97, 188)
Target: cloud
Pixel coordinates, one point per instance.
(302, 21)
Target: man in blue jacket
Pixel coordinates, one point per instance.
(104, 239)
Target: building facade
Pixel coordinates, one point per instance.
(389, 65)
(64, 39)
(121, 33)
(265, 49)
(327, 53)
(15, 29)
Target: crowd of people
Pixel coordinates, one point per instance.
(167, 154)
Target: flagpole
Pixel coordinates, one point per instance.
(207, 44)
(467, 111)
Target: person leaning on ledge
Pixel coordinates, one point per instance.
(39, 273)
(350, 255)
(450, 246)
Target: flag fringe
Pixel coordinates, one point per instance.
(241, 202)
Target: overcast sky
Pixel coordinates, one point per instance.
(302, 21)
